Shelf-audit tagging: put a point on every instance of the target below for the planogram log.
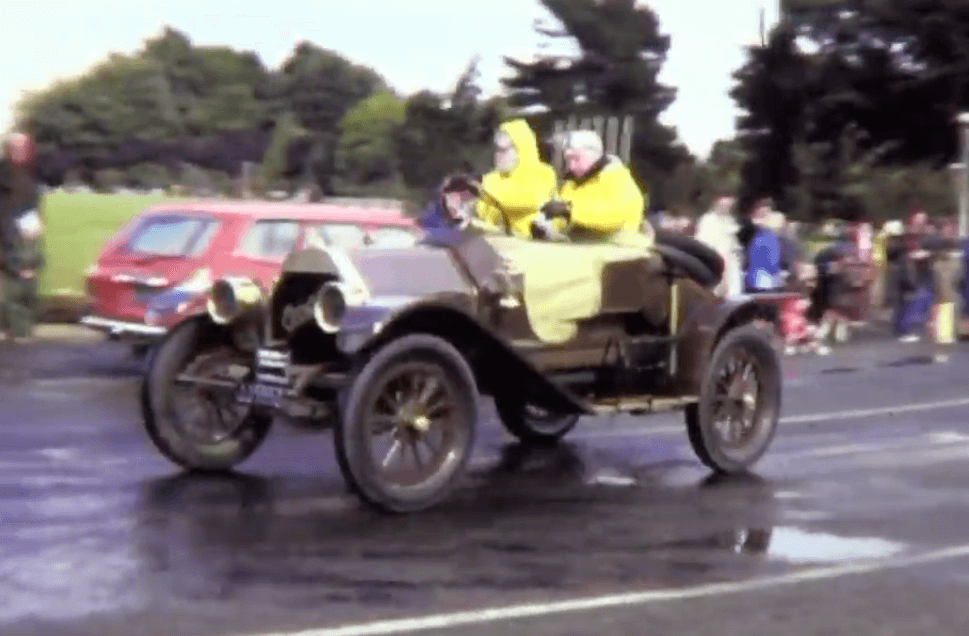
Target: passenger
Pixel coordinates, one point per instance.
(599, 199)
(520, 181)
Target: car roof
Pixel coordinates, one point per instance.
(333, 212)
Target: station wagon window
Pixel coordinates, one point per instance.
(392, 237)
(173, 235)
(340, 234)
(270, 239)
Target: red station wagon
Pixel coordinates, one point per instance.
(159, 267)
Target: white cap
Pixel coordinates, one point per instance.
(585, 141)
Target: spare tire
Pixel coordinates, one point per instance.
(688, 264)
(706, 255)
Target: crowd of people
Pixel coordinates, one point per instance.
(833, 276)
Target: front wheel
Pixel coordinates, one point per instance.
(198, 428)
(408, 424)
(736, 417)
(531, 423)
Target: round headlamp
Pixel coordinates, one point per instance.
(330, 307)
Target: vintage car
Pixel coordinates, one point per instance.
(392, 348)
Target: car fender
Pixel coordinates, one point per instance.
(703, 328)
(365, 329)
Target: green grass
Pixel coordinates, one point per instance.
(77, 225)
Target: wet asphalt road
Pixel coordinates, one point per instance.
(856, 521)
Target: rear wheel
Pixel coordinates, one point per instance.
(531, 423)
(736, 418)
(408, 424)
(199, 428)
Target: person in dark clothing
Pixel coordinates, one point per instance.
(918, 247)
(21, 227)
(898, 280)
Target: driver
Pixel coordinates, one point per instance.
(599, 198)
(520, 180)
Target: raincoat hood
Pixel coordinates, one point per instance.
(524, 141)
(522, 190)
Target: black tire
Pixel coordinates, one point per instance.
(532, 424)
(689, 265)
(183, 345)
(706, 255)
(419, 355)
(707, 442)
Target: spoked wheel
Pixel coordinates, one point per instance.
(736, 418)
(408, 424)
(195, 427)
(531, 423)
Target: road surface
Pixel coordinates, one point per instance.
(856, 522)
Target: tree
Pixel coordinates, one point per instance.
(443, 134)
(616, 73)
(168, 103)
(895, 72)
(367, 152)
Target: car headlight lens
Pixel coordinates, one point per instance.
(229, 298)
(223, 303)
(330, 307)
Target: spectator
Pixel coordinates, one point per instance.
(899, 284)
(919, 304)
(764, 253)
(947, 272)
(828, 295)
(21, 231)
(717, 229)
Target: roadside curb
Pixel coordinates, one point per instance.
(67, 333)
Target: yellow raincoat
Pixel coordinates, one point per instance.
(606, 202)
(522, 191)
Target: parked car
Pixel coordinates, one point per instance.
(158, 269)
(395, 365)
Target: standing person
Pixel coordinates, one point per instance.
(899, 284)
(764, 252)
(919, 305)
(828, 294)
(717, 229)
(21, 253)
(879, 268)
(947, 273)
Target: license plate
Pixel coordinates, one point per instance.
(271, 383)
(258, 394)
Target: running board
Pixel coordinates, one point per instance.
(641, 405)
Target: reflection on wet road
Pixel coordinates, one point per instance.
(100, 535)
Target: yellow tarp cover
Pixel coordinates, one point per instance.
(563, 281)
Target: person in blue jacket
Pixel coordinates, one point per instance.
(763, 253)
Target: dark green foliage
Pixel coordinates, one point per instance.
(616, 73)
(888, 76)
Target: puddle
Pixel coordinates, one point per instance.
(799, 546)
(841, 370)
(907, 362)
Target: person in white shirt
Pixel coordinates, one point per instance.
(717, 229)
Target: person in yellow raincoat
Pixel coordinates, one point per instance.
(520, 182)
(599, 199)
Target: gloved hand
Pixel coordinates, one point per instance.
(461, 182)
(556, 209)
(541, 226)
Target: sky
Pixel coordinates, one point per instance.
(414, 44)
